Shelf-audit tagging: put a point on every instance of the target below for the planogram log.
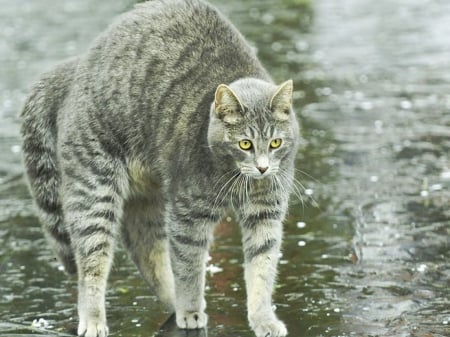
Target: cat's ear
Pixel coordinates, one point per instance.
(281, 100)
(227, 104)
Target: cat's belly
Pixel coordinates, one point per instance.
(142, 177)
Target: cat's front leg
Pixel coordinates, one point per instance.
(188, 258)
(262, 241)
(189, 236)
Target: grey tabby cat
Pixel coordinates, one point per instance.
(140, 139)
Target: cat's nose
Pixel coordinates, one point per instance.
(262, 169)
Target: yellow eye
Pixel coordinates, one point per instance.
(275, 143)
(245, 144)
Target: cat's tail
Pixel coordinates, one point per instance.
(39, 132)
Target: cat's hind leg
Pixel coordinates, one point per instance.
(92, 205)
(144, 236)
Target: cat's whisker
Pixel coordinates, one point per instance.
(225, 189)
(292, 186)
(247, 187)
(225, 176)
(237, 193)
(307, 175)
(244, 189)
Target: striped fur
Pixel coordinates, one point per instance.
(139, 138)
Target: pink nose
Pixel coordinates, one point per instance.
(262, 169)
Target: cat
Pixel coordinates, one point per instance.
(165, 124)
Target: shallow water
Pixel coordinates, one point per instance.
(367, 251)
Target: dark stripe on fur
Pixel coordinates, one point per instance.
(190, 241)
(253, 251)
(253, 219)
(103, 214)
(94, 229)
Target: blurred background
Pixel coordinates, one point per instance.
(366, 250)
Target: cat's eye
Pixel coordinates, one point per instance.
(275, 143)
(245, 144)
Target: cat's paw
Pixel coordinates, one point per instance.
(271, 327)
(191, 319)
(92, 328)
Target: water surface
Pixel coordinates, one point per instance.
(366, 250)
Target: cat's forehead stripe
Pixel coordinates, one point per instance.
(252, 131)
(267, 131)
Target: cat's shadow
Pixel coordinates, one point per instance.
(170, 329)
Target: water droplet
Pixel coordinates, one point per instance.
(277, 46)
(337, 310)
(301, 45)
(267, 18)
(436, 187)
(7, 103)
(254, 13)
(15, 149)
(309, 191)
(71, 47)
(301, 243)
(421, 268)
(324, 256)
(234, 286)
(301, 224)
(406, 104)
(378, 126)
(212, 269)
(40, 323)
(325, 91)
(367, 105)
(424, 194)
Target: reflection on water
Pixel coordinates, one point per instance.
(366, 250)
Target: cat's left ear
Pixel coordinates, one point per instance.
(281, 101)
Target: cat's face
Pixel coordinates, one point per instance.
(253, 126)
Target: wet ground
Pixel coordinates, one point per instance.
(367, 251)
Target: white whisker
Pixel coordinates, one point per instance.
(225, 189)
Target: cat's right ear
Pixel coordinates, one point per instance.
(227, 105)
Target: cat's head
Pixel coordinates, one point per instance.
(252, 124)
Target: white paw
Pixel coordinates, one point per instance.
(191, 320)
(92, 328)
(269, 328)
